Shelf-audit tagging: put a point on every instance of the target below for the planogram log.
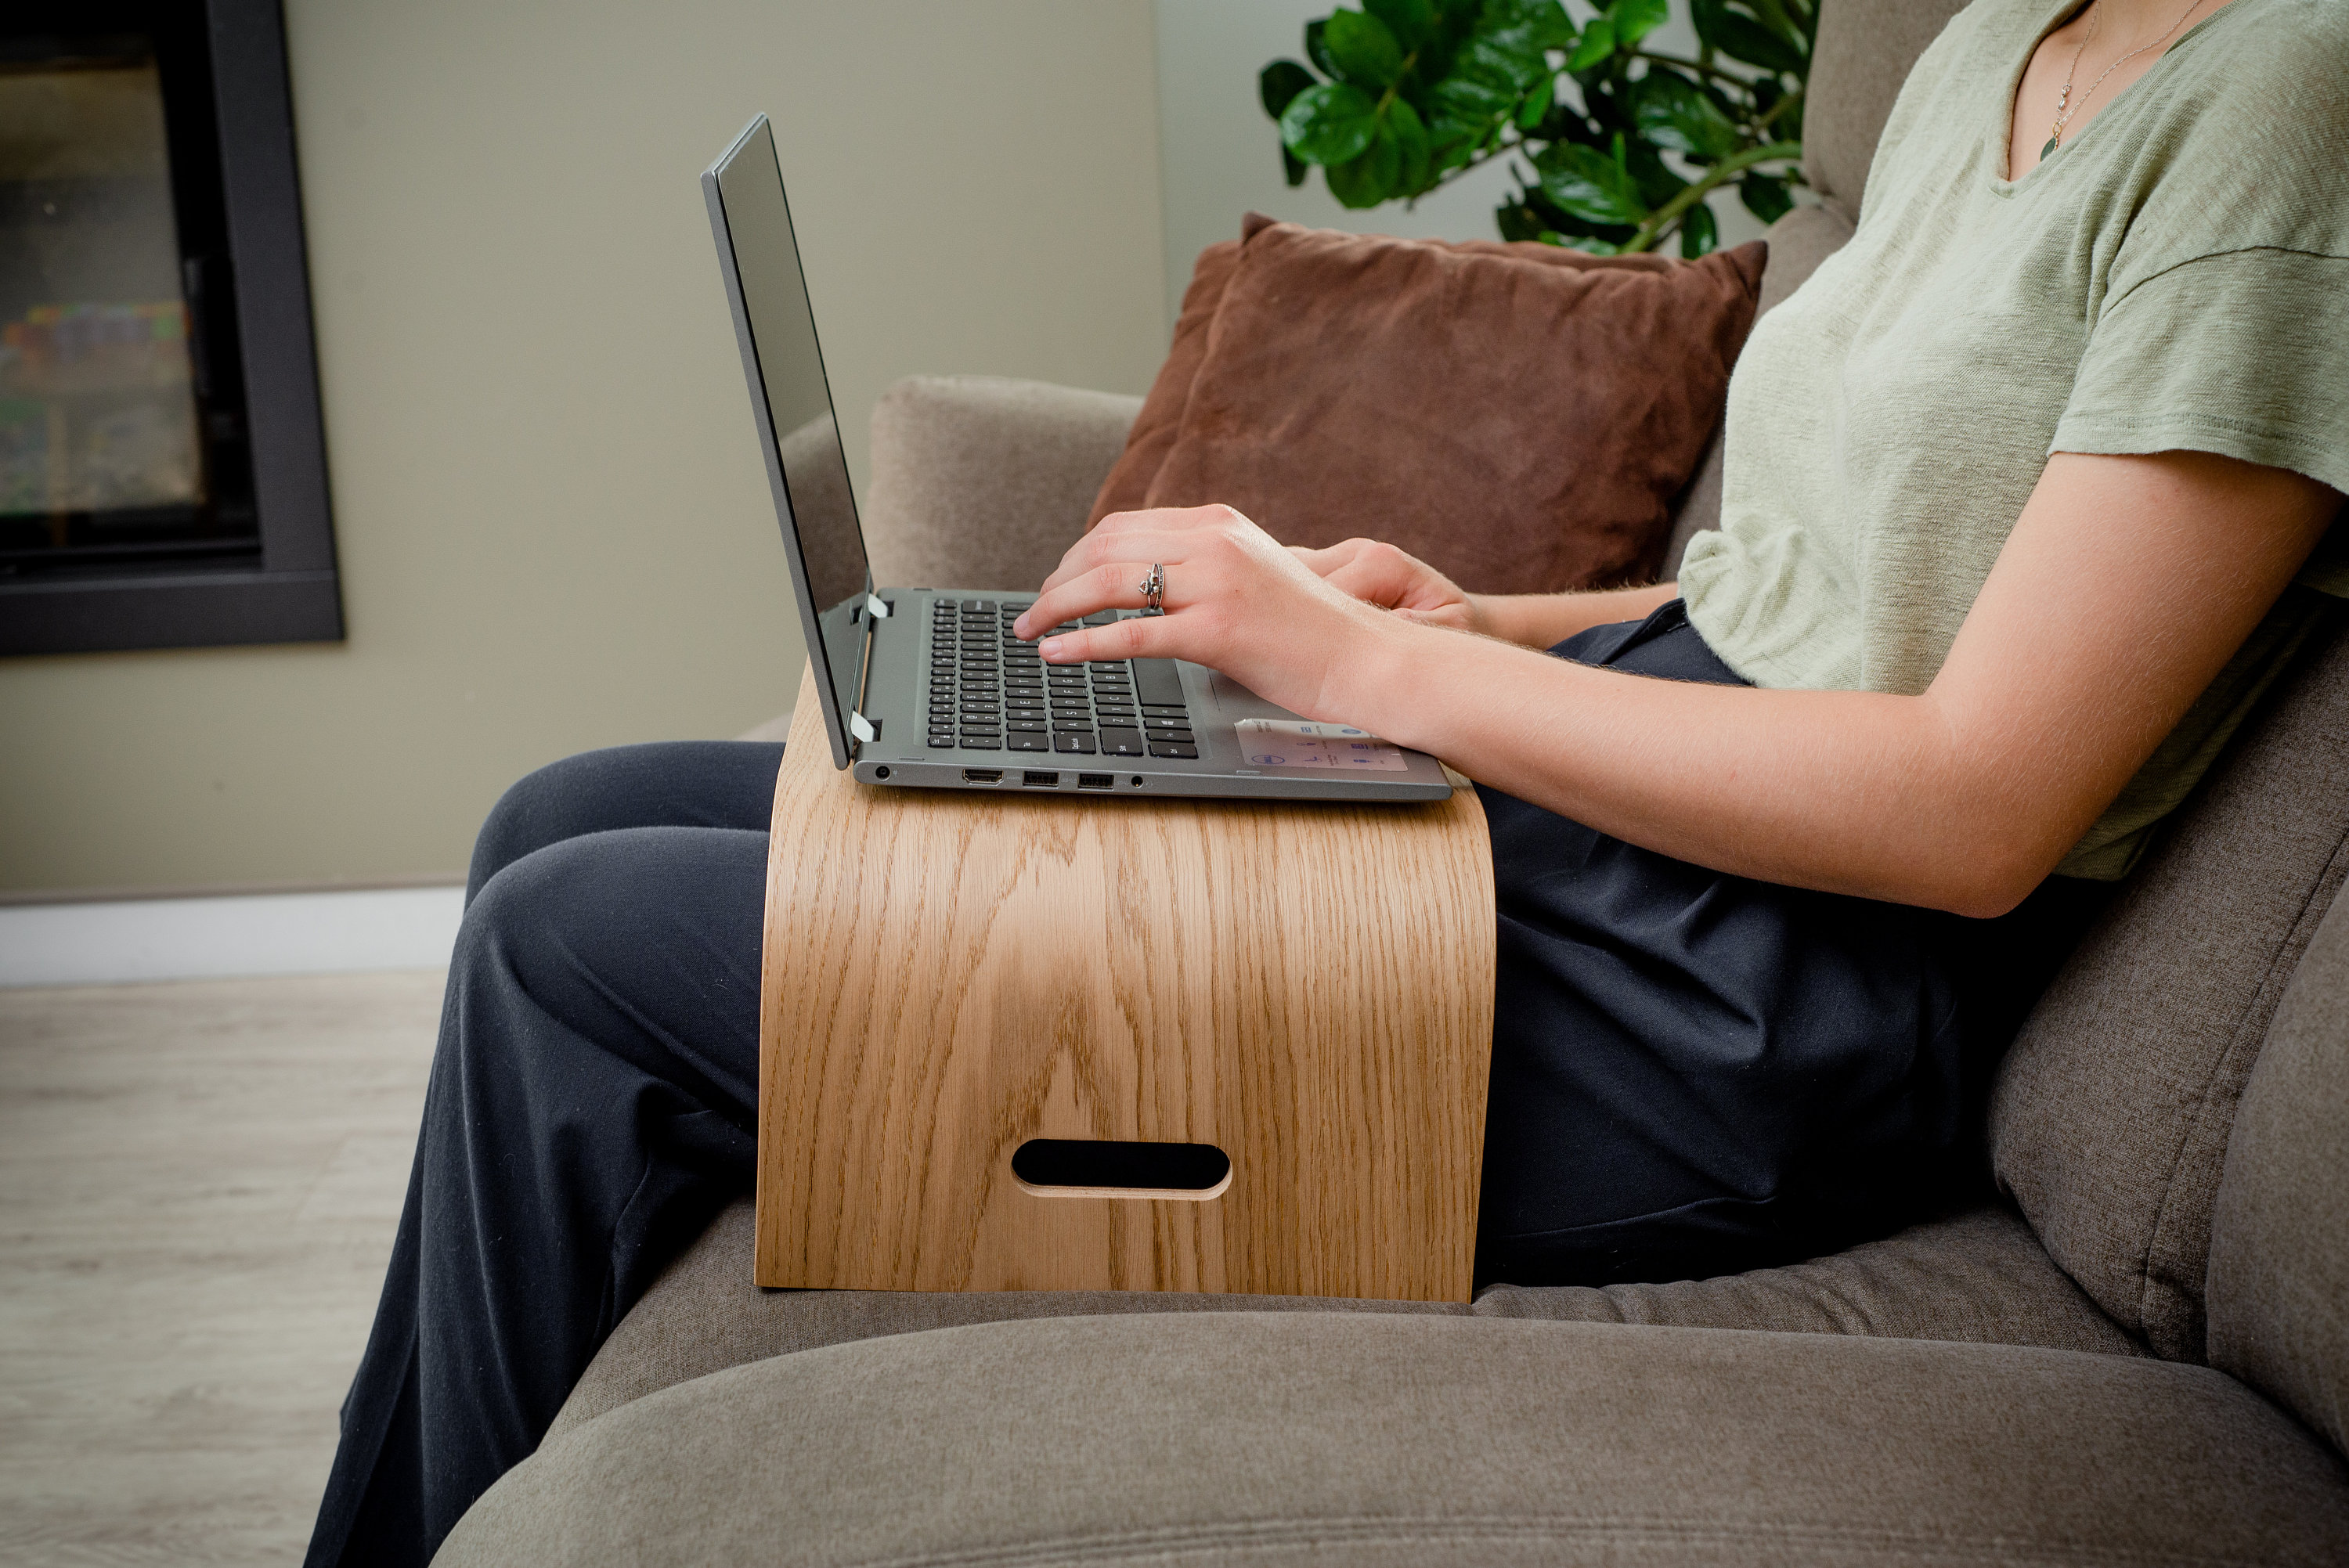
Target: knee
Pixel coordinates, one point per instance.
(541, 809)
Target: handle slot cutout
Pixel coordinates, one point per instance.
(1120, 1168)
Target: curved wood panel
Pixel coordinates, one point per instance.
(948, 975)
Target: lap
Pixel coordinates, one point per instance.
(1694, 1072)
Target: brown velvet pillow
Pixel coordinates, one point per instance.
(1521, 417)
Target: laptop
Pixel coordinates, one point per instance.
(927, 687)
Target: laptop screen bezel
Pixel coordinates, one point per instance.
(756, 138)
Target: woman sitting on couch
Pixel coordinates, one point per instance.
(2022, 512)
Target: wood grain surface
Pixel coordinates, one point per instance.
(948, 975)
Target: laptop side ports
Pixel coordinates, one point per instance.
(1096, 780)
(1035, 780)
(982, 775)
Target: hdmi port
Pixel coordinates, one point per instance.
(982, 775)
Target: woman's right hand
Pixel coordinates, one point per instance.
(1382, 575)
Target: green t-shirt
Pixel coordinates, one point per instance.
(2175, 277)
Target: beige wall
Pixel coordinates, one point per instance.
(553, 522)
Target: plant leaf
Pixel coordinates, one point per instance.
(1365, 51)
(1371, 178)
(1317, 49)
(1292, 167)
(1706, 14)
(1328, 123)
(1589, 184)
(1743, 38)
(1412, 22)
(1277, 85)
(1537, 102)
(1472, 104)
(1510, 61)
(1596, 48)
(1699, 232)
(1669, 111)
(1764, 195)
(1413, 174)
(1654, 178)
(1543, 22)
(1635, 19)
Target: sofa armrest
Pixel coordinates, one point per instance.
(983, 482)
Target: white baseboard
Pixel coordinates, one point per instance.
(106, 943)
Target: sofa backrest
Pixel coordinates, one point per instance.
(2110, 1118)
(1864, 50)
(2278, 1282)
(1862, 55)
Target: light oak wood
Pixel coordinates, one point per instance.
(948, 975)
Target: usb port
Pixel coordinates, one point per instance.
(982, 775)
(1096, 781)
(1035, 781)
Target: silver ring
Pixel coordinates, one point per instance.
(1153, 590)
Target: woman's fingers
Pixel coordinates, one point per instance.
(1139, 637)
(1091, 553)
(1116, 585)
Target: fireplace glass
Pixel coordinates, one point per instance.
(101, 397)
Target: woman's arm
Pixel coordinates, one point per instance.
(1382, 575)
(2125, 586)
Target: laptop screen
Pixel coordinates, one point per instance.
(777, 326)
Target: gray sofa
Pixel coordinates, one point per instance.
(2138, 1352)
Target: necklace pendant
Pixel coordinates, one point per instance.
(2048, 151)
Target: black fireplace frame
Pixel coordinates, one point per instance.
(288, 590)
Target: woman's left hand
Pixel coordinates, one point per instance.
(1236, 600)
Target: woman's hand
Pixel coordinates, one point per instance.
(1236, 600)
(1384, 576)
(1381, 575)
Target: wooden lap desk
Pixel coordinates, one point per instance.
(949, 974)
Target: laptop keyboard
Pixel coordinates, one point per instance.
(990, 692)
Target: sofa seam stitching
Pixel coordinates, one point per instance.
(2267, 991)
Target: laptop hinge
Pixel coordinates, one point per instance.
(877, 606)
(863, 728)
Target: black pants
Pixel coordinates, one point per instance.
(1691, 1073)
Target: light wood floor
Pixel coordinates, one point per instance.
(199, 1183)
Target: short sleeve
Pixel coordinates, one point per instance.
(2238, 354)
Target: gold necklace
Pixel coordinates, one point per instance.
(2065, 107)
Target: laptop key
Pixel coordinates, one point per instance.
(1067, 741)
(1121, 742)
(1167, 748)
(1028, 740)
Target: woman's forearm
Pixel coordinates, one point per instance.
(1546, 620)
(1848, 792)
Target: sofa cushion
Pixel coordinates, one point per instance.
(1520, 416)
(2110, 1118)
(1978, 1277)
(2279, 1284)
(1329, 1439)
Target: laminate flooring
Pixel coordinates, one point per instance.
(199, 1183)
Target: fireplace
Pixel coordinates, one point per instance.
(162, 476)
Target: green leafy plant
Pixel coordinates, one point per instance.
(1613, 146)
